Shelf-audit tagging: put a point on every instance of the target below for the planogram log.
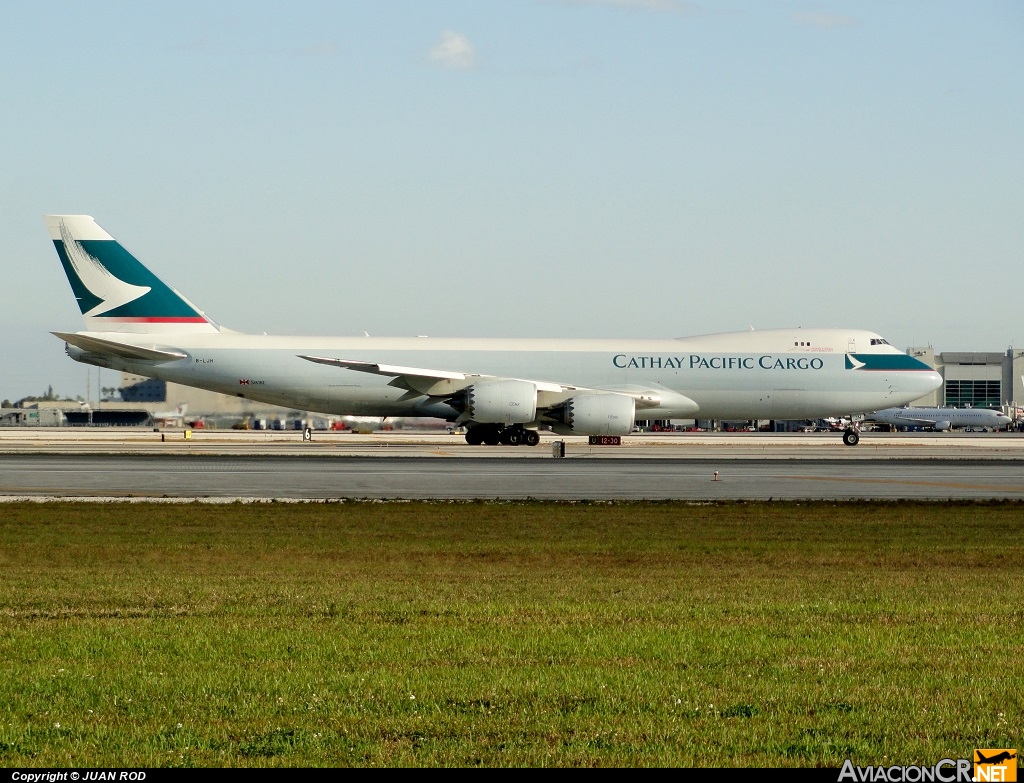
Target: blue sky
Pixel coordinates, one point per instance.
(635, 168)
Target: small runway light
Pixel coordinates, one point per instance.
(716, 476)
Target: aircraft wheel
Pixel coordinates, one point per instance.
(851, 437)
(513, 436)
(492, 436)
(532, 438)
(474, 436)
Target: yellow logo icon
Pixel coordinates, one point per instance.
(998, 765)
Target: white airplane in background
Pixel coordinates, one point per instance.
(940, 419)
(177, 416)
(834, 423)
(501, 390)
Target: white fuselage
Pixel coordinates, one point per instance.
(941, 418)
(767, 374)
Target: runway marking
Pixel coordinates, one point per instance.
(97, 493)
(906, 482)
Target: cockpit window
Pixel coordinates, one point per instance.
(879, 341)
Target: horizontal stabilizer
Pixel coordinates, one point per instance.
(103, 347)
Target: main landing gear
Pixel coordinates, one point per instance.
(851, 436)
(493, 434)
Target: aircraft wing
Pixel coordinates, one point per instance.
(917, 421)
(443, 383)
(114, 348)
(388, 369)
(435, 383)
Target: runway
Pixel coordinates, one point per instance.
(675, 446)
(797, 468)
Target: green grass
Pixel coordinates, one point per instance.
(508, 634)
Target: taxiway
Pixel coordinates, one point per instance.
(702, 466)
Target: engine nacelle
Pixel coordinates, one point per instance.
(600, 414)
(502, 402)
(941, 426)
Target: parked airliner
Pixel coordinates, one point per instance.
(941, 418)
(501, 390)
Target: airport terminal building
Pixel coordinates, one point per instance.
(975, 379)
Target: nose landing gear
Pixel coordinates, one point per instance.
(851, 436)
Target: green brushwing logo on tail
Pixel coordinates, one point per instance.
(109, 282)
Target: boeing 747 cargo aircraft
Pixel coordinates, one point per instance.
(502, 390)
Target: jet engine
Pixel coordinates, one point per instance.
(941, 426)
(501, 402)
(598, 414)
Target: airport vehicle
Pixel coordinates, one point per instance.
(940, 419)
(501, 390)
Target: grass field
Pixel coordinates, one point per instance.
(509, 634)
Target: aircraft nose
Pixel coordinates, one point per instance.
(915, 385)
(925, 382)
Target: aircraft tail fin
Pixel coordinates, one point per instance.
(115, 292)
